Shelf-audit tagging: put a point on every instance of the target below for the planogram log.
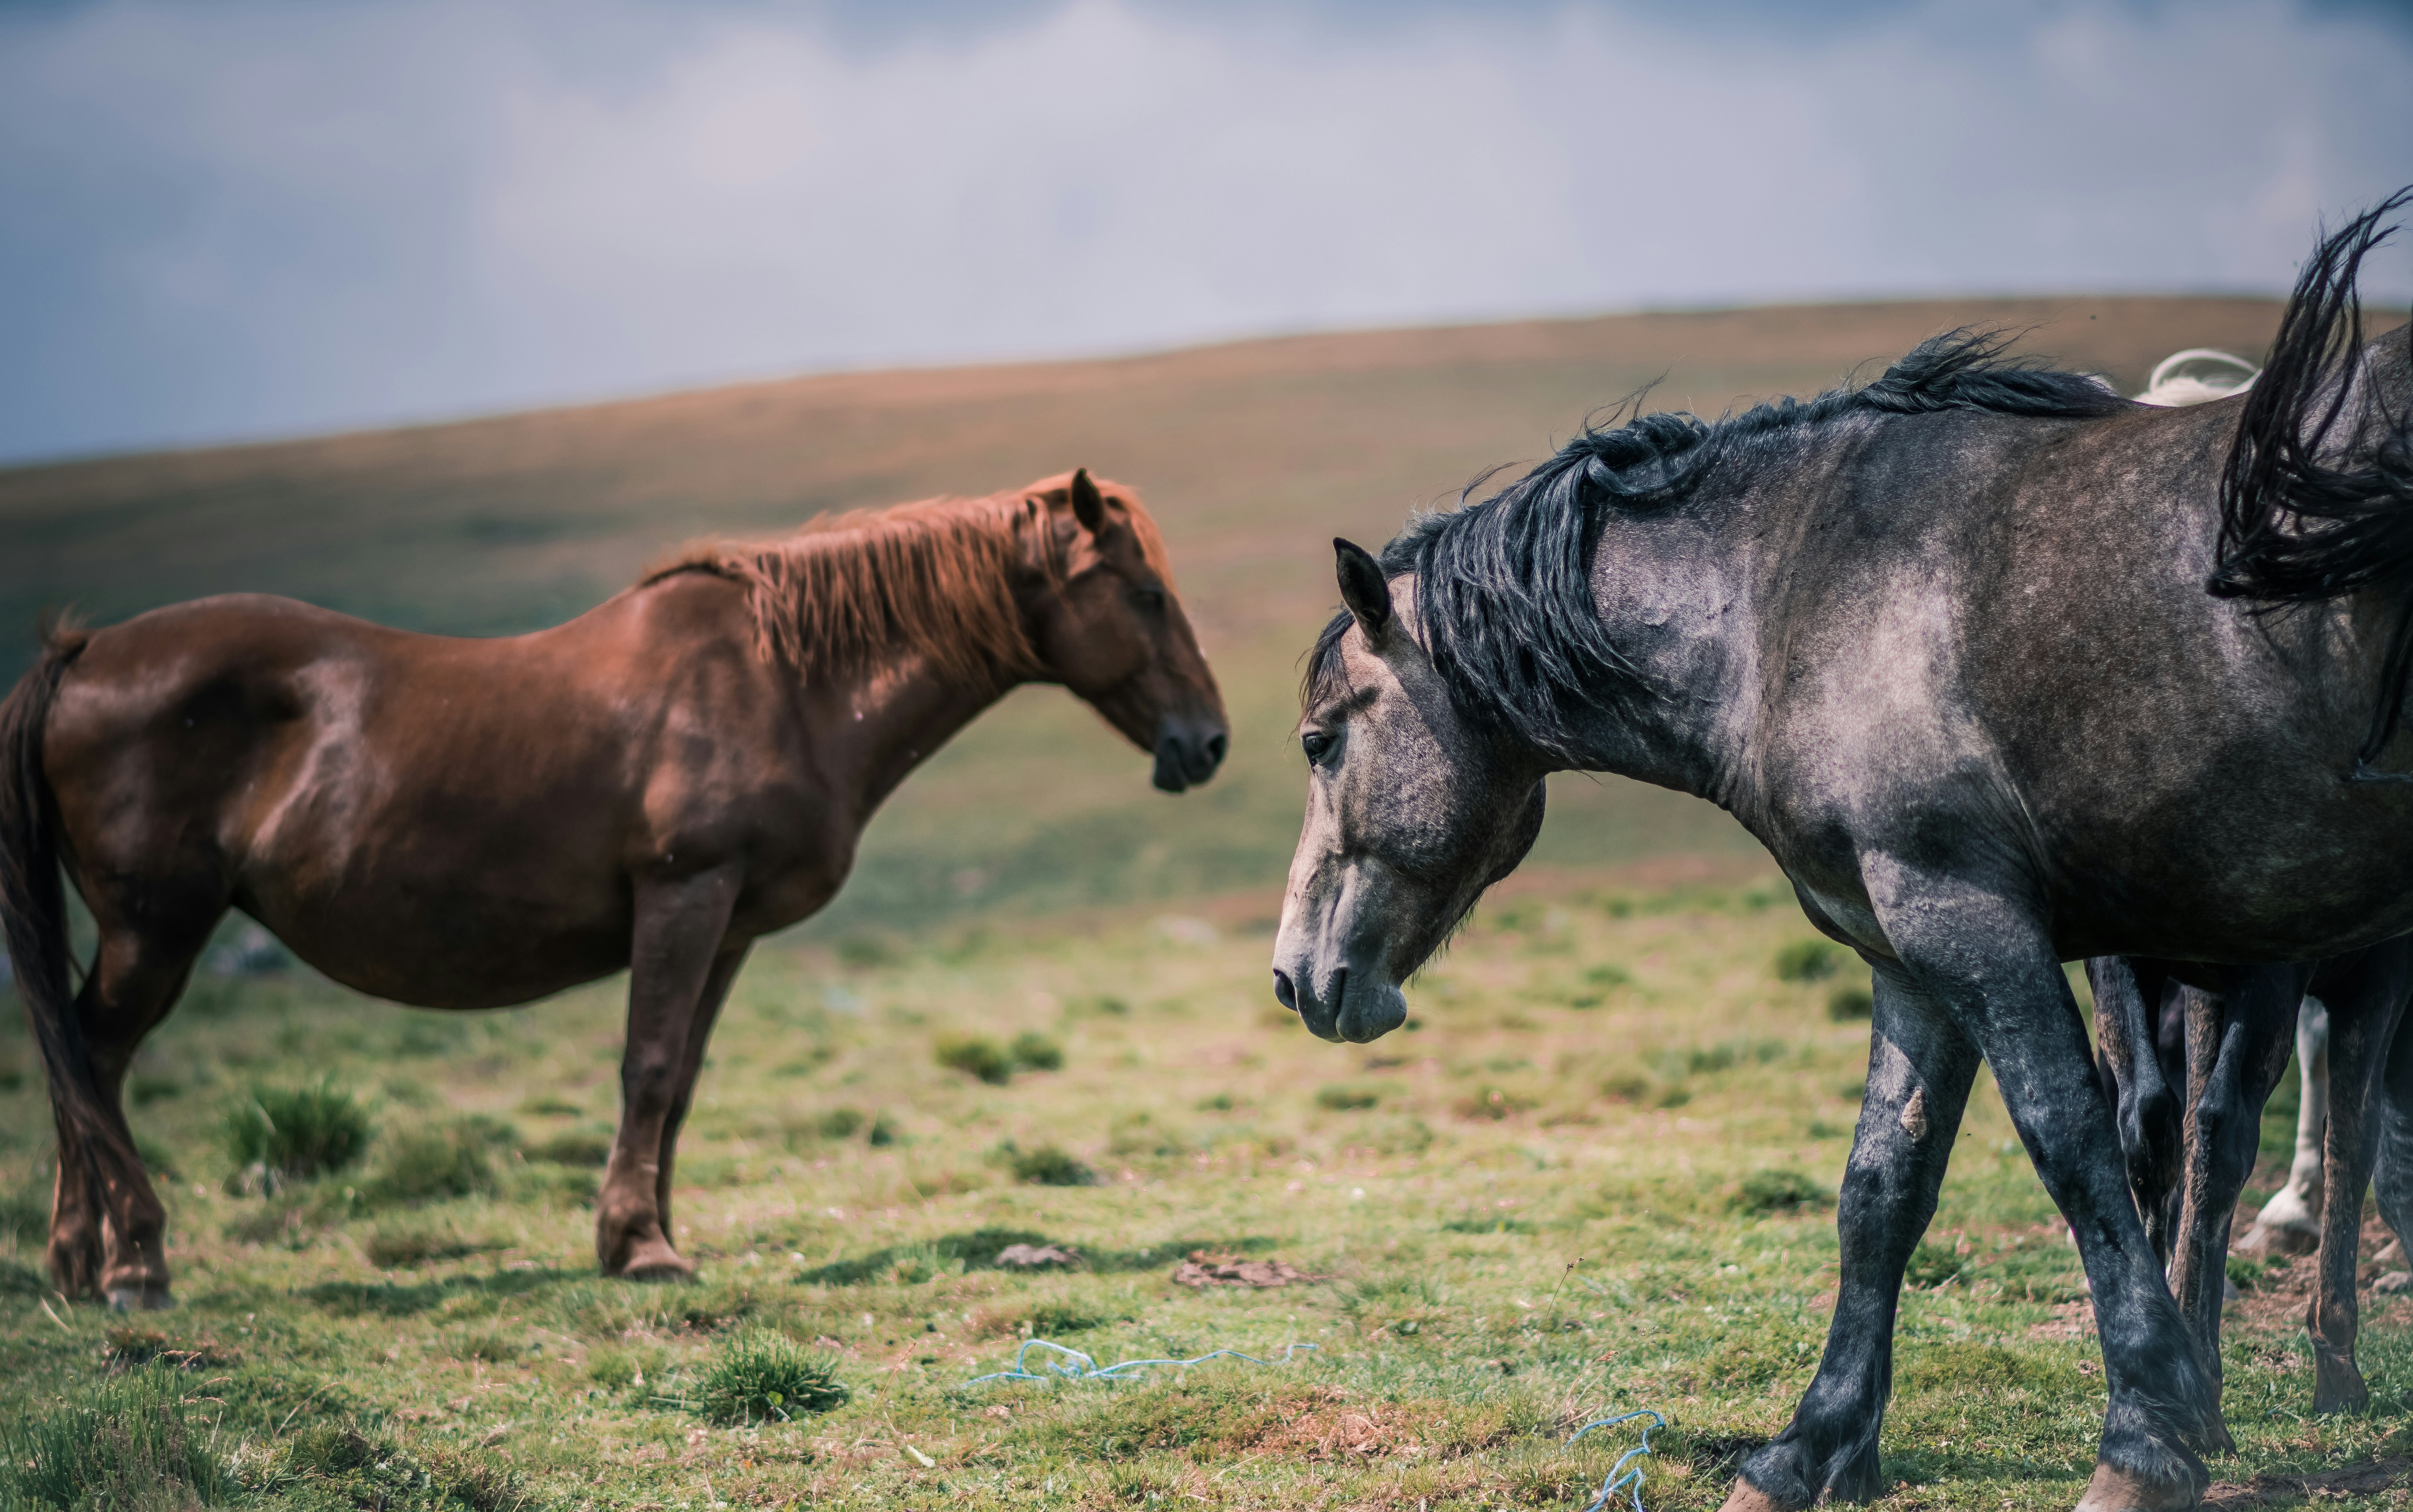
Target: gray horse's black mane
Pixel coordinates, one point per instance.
(1503, 596)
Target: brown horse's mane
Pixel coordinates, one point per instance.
(933, 578)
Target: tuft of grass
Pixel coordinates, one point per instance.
(393, 1246)
(139, 1441)
(1846, 1003)
(1933, 1264)
(975, 1055)
(1036, 1052)
(838, 1123)
(1626, 1087)
(627, 1367)
(765, 1377)
(1343, 1098)
(336, 1464)
(426, 1165)
(1495, 1104)
(573, 1146)
(1049, 1167)
(294, 1134)
(1808, 960)
(864, 951)
(1781, 1191)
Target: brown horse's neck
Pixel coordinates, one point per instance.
(883, 721)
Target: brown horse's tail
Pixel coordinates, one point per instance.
(32, 902)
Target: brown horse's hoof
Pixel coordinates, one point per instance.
(151, 1297)
(653, 1259)
(1746, 1497)
(2113, 1489)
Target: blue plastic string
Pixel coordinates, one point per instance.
(1076, 1366)
(1620, 1478)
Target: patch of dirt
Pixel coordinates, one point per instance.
(1330, 1425)
(129, 1344)
(1035, 1257)
(2365, 1479)
(1208, 1268)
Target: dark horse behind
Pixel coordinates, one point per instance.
(2006, 670)
(470, 823)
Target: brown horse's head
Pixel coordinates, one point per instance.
(1105, 623)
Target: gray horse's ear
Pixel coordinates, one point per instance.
(1363, 586)
(1089, 505)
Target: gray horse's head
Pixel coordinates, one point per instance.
(1412, 810)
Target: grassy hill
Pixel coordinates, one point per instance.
(1252, 455)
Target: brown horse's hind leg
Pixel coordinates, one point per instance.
(107, 1226)
(678, 972)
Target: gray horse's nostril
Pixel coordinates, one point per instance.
(1283, 990)
(1216, 746)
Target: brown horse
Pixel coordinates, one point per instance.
(470, 823)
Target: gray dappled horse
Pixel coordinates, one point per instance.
(1929, 641)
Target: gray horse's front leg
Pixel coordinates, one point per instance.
(1992, 966)
(1920, 1065)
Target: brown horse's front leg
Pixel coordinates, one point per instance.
(678, 969)
(707, 1011)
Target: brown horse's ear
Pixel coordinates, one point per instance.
(1089, 505)
(1363, 587)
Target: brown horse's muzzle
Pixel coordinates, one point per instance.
(1187, 752)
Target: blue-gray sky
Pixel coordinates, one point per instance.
(255, 217)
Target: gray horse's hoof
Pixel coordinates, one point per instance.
(140, 1299)
(2117, 1490)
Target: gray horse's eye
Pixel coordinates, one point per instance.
(1315, 743)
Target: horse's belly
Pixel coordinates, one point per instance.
(493, 962)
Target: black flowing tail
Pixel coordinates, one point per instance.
(2313, 505)
(32, 902)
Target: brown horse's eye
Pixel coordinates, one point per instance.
(1315, 743)
(1149, 598)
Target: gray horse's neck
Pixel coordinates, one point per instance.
(1681, 590)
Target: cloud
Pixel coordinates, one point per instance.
(267, 216)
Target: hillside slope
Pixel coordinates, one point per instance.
(1252, 455)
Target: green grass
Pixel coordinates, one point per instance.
(276, 1134)
(1499, 1271)
(764, 1377)
(145, 1441)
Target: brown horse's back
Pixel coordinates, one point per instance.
(442, 821)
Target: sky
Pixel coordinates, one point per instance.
(255, 218)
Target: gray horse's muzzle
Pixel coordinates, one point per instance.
(1349, 1011)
